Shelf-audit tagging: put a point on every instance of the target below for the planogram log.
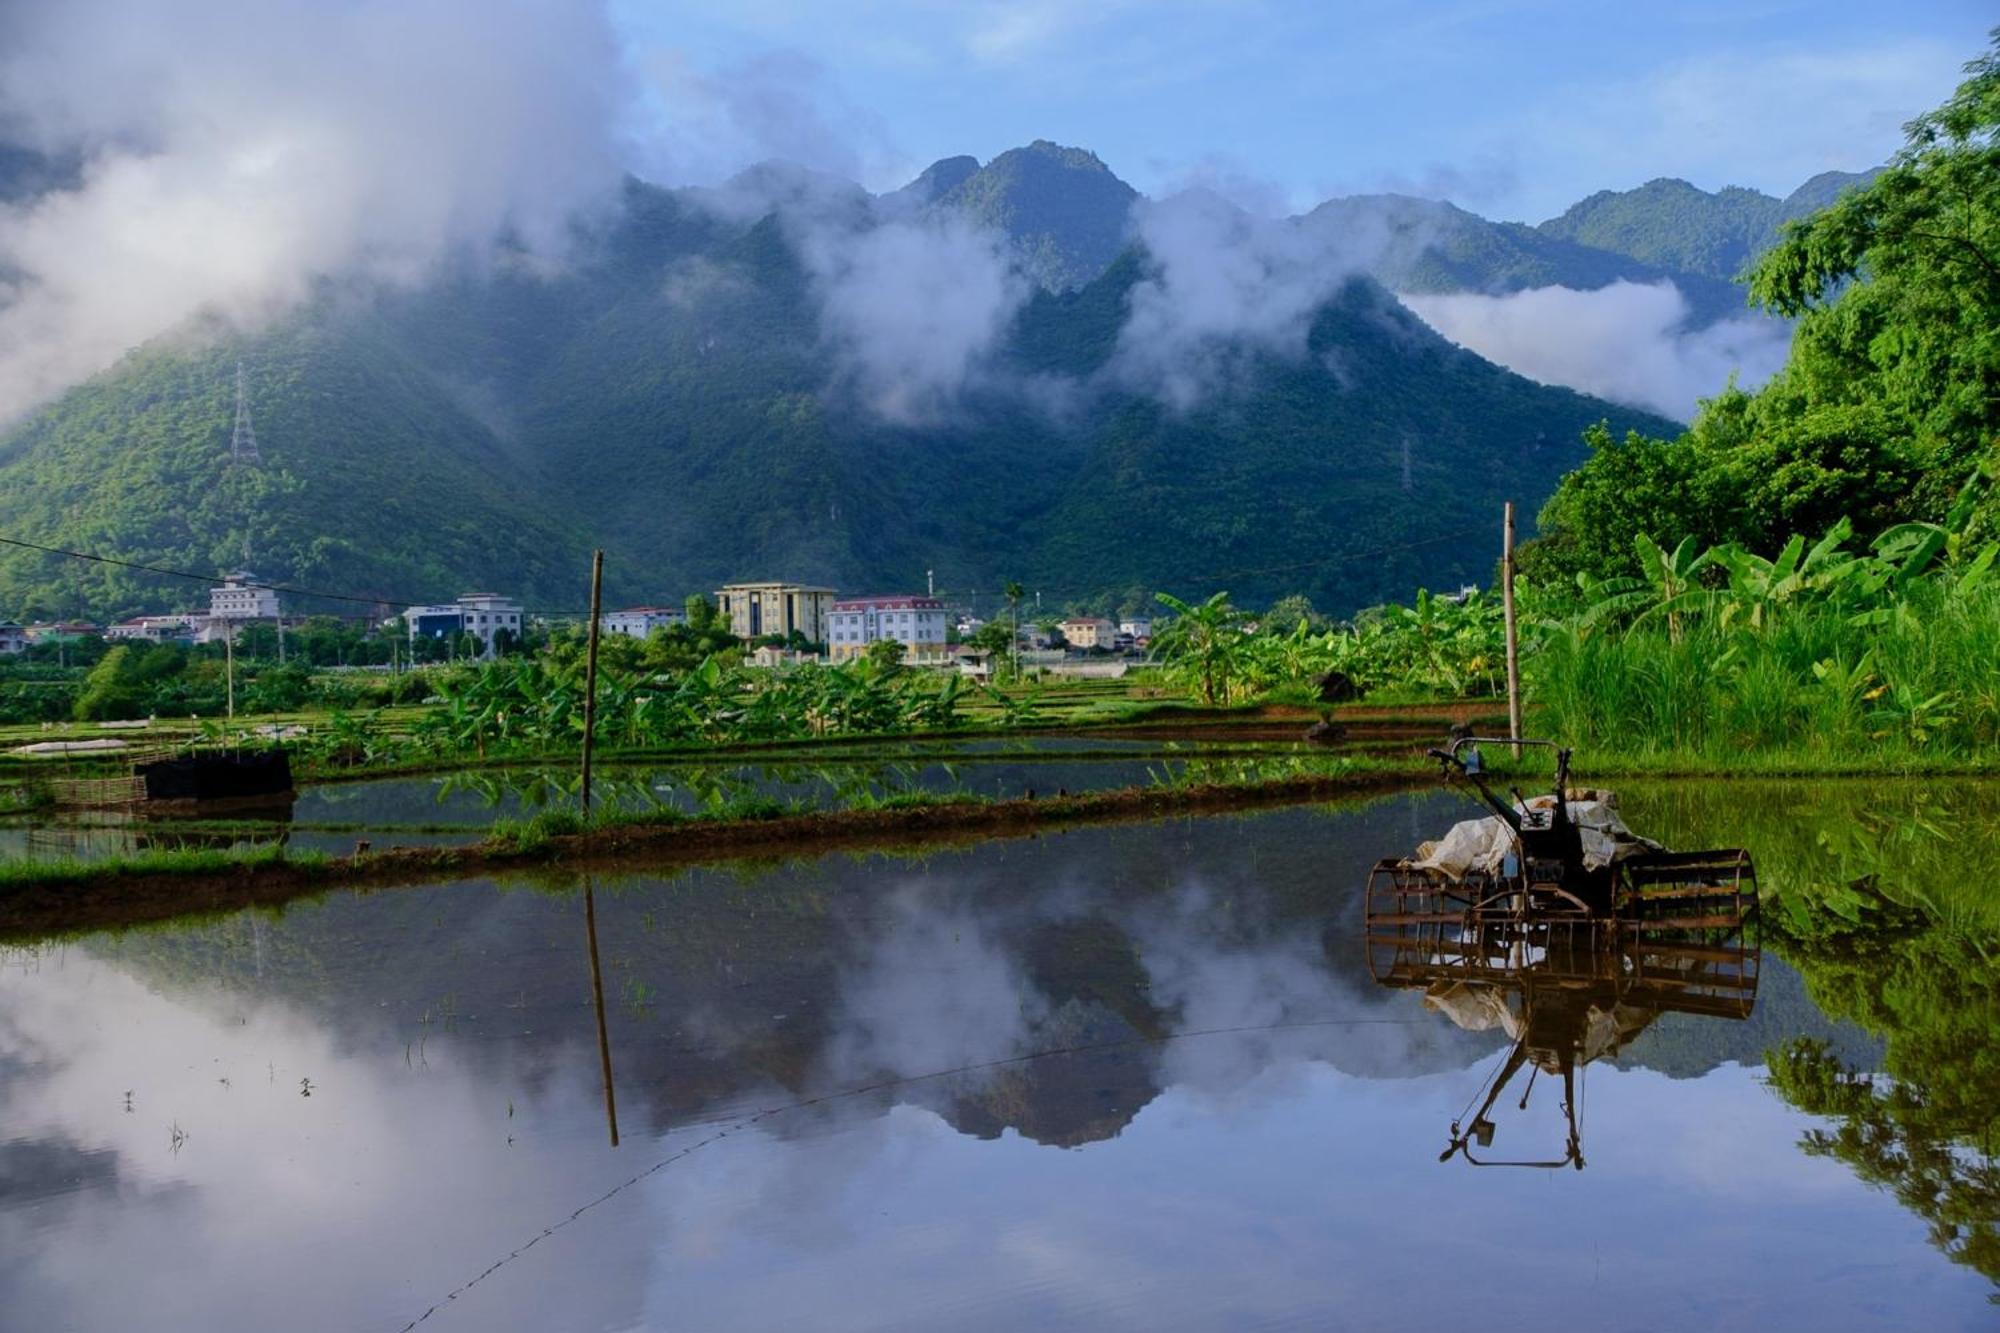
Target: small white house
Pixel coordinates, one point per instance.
(1138, 627)
(13, 639)
(638, 622)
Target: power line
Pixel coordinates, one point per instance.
(210, 579)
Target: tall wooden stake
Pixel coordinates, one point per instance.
(1513, 640)
(229, 665)
(590, 674)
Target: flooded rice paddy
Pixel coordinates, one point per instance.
(459, 807)
(1124, 1077)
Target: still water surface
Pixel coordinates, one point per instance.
(1131, 1077)
(459, 807)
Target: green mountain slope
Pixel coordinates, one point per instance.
(669, 395)
(1427, 245)
(1063, 208)
(375, 480)
(1675, 225)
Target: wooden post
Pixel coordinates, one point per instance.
(1513, 640)
(590, 674)
(597, 995)
(229, 665)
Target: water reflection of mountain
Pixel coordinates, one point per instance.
(727, 986)
(838, 973)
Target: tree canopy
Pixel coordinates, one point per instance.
(1889, 408)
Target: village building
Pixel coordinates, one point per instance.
(758, 610)
(1088, 632)
(484, 615)
(1139, 627)
(918, 623)
(62, 631)
(241, 597)
(13, 638)
(178, 628)
(638, 622)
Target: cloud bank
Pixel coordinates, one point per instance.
(1628, 342)
(234, 154)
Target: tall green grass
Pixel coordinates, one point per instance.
(1918, 681)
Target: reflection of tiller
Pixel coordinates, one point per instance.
(1556, 923)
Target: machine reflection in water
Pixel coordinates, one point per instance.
(1554, 923)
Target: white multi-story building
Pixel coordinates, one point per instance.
(1138, 628)
(639, 621)
(918, 623)
(484, 615)
(13, 639)
(241, 597)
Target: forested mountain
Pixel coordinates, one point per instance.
(679, 392)
(1063, 209)
(1434, 246)
(1676, 226)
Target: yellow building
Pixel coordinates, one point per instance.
(754, 610)
(1089, 632)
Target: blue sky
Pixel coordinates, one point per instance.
(1515, 109)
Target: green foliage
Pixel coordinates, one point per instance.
(1438, 647)
(1889, 409)
(1818, 650)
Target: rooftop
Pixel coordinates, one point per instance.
(892, 602)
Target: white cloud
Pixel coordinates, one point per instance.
(234, 155)
(1628, 342)
(1224, 282)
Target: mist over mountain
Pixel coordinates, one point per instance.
(816, 391)
(472, 360)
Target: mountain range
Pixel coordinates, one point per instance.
(1020, 369)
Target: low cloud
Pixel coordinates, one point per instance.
(1628, 342)
(1225, 282)
(232, 156)
(914, 310)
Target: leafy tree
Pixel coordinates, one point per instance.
(1205, 642)
(1288, 613)
(886, 656)
(111, 692)
(1897, 291)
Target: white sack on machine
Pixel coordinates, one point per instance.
(1483, 845)
(1475, 1008)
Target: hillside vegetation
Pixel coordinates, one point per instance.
(671, 395)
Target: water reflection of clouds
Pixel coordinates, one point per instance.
(237, 1225)
(1321, 1208)
(933, 990)
(1232, 1179)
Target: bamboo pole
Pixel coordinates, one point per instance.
(229, 665)
(590, 674)
(1513, 638)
